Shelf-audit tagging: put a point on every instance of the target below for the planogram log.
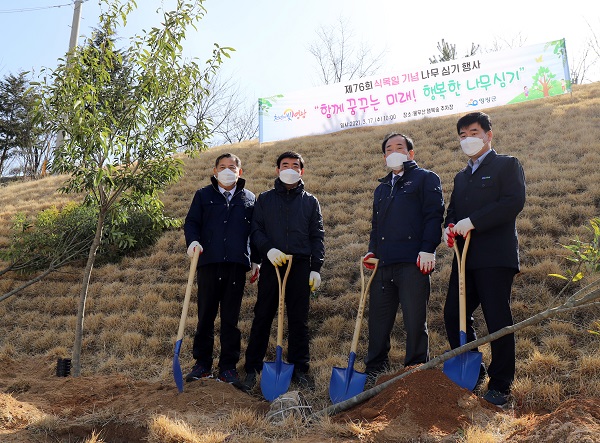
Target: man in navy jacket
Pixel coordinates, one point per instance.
(287, 220)
(488, 195)
(408, 211)
(218, 222)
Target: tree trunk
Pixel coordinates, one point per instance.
(85, 283)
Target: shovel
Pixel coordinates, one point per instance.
(347, 382)
(277, 375)
(464, 368)
(177, 375)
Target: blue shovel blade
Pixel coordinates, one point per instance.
(346, 383)
(177, 375)
(276, 377)
(464, 368)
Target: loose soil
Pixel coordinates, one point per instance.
(425, 406)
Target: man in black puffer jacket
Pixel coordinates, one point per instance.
(287, 220)
(218, 222)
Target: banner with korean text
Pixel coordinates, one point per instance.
(456, 86)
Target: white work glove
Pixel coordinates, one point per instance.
(192, 246)
(426, 262)
(276, 257)
(254, 272)
(463, 226)
(449, 235)
(314, 280)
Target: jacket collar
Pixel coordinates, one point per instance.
(241, 183)
(408, 167)
(280, 187)
(487, 160)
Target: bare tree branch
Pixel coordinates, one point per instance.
(231, 117)
(339, 58)
(26, 284)
(501, 43)
(448, 52)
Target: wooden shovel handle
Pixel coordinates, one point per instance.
(461, 260)
(363, 298)
(188, 293)
(282, 299)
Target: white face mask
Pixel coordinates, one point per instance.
(396, 160)
(227, 177)
(471, 145)
(289, 176)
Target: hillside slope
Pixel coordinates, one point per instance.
(133, 307)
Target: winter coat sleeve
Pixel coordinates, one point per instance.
(258, 234)
(193, 221)
(433, 212)
(317, 238)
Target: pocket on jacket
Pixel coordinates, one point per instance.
(487, 182)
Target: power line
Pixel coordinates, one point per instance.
(37, 8)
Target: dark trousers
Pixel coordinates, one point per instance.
(401, 284)
(219, 285)
(297, 302)
(490, 288)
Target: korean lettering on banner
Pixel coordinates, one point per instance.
(289, 116)
(365, 103)
(428, 112)
(470, 65)
(452, 69)
(329, 110)
(356, 87)
(387, 81)
(441, 88)
(362, 103)
(485, 80)
(383, 82)
(401, 97)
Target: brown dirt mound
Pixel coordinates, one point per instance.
(119, 407)
(576, 420)
(425, 406)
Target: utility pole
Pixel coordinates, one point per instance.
(72, 44)
(75, 25)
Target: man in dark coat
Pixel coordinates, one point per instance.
(408, 212)
(218, 222)
(488, 195)
(287, 220)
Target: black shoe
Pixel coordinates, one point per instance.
(303, 380)
(371, 379)
(250, 381)
(228, 376)
(373, 374)
(496, 397)
(231, 376)
(198, 371)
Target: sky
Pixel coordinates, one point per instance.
(271, 37)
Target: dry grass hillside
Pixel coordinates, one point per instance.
(134, 306)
